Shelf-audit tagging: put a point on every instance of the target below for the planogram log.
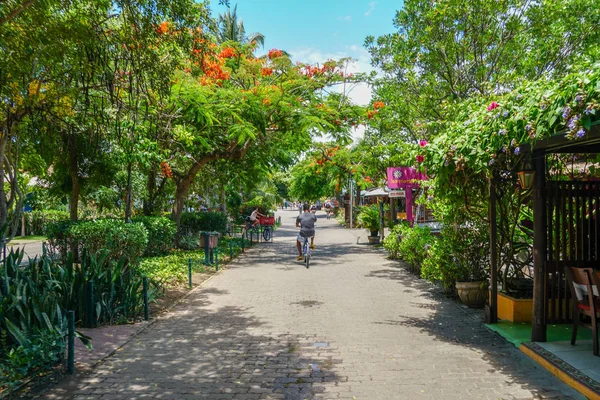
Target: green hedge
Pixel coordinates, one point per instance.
(115, 236)
(392, 241)
(410, 244)
(161, 234)
(36, 222)
(192, 223)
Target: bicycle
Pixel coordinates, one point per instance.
(306, 252)
(267, 223)
(253, 231)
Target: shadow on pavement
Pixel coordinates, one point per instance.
(451, 323)
(201, 353)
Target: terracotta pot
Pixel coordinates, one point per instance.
(472, 294)
(373, 239)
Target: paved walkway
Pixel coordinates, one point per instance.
(353, 326)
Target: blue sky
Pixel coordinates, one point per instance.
(314, 31)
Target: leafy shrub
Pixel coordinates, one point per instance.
(392, 241)
(414, 246)
(460, 254)
(161, 234)
(193, 223)
(36, 222)
(117, 237)
(32, 323)
(189, 242)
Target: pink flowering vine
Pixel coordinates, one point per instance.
(493, 105)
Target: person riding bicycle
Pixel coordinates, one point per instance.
(306, 223)
(254, 217)
(327, 208)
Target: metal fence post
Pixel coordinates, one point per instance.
(217, 258)
(146, 306)
(71, 342)
(190, 272)
(90, 304)
(206, 249)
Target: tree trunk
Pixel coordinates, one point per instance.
(223, 200)
(149, 205)
(128, 198)
(3, 198)
(183, 188)
(75, 184)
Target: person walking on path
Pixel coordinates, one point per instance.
(306, 223)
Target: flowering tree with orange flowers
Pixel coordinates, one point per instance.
(232, 104)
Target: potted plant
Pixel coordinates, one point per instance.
(368, 218)
(460, 260)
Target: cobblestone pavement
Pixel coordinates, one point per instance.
(353, 326)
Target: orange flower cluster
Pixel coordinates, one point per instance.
(310, 71)
(371, 114)
(163, 28)
(267, 101)
(378, 105)
(166, 170)
(215, 71)
(227, 52)
(266, 71)
(275, 53)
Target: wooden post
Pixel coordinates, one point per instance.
(382, 220)
(492, 314)
(409, 206)
(538, 333)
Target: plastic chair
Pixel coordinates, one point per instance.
(584, 284)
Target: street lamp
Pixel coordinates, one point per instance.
(526, 176)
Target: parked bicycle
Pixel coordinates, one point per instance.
(253, 231)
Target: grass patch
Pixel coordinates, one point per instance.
(32, 238)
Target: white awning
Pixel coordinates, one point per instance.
(378, 192)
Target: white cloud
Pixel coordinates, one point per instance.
(371, 8)
(347, 18)
(359, 93)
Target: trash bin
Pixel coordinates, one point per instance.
(210, 237)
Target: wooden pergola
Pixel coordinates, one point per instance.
(566, 231)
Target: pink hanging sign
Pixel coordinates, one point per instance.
(404, 178)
